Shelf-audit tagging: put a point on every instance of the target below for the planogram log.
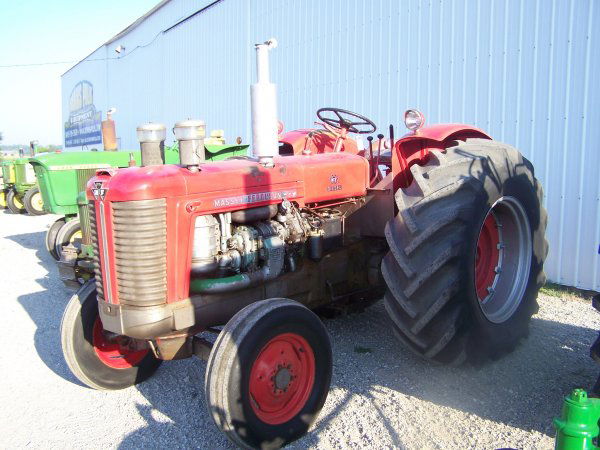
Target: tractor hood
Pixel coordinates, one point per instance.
(238, 184)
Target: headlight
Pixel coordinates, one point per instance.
(151, 132)
(414, 119)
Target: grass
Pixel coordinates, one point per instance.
(566, 292)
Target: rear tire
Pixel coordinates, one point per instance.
(33, 202)
(51, 235)
(442, 307)
(14, 203)
(268, 374)
(92, 358)
(69, 233)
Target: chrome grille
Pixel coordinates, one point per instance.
(96, 258)
(140, 238)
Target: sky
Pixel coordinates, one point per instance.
(41, 31)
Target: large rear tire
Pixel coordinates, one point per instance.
(33, 202)
(14, 203)
(97, 360)
(466, 257)
(268, 374)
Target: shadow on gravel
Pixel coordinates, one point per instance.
(46, 307)
(523, 390)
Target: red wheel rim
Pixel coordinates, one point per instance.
(114, 353)
(281, 378)
(487, 257)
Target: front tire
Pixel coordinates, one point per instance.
(14, 203)
(95, 359)
(51, 235)
(33, 202)
(268, 374)
(466, 256)
(69, 233)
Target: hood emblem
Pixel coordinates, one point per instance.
(99, 191)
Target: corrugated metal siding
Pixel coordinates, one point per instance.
(521, 69)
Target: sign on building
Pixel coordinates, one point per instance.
(84, 126)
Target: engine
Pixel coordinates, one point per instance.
(259, 243)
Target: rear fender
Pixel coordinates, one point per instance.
(414, 148)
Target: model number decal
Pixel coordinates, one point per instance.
(254, 198)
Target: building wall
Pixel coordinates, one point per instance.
(521, 69)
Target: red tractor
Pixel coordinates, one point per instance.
(444, 223)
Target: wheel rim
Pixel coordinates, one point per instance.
(503, 259)
(37, 202)
(76, 239)
(17, 202)
(282, 378)
(2, 199)
(115, 353)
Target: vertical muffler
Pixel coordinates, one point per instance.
(190, 137)
(152, 143)
(263, 99)
(109, 132)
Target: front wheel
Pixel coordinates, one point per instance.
(268, 374)
(33, 202)
(467, 249)
(98, 359)
(51, 235)
(13, 202)
(69, 234)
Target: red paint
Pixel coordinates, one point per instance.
(112, 353)
(287, 354)
(322, 142)
(487, 257)
(414, 148)
(218, 187)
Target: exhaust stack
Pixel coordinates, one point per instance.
(152, 143)
(263, 99)
(190, 137)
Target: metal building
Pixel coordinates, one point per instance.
(523, 70)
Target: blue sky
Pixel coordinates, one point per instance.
(35, 31)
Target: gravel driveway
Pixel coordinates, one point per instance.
(381, 395)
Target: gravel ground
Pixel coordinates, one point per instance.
(381, 396)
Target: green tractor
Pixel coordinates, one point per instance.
(62, 179)
(8, 181)
(25, 195)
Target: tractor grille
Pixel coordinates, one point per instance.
(84, 223)
(140, 238)
(20, 173)
(94, 240)
(83, 176)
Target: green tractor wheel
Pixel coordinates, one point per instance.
(33, 202)
(68, 234)
(51, 236)
(14, 203)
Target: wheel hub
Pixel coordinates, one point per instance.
(503, 259)
(281, 378)
(115, 353)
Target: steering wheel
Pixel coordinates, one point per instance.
(348, 120)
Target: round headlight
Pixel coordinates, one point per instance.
(151, 132)
(414, 119)
(188, 130)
